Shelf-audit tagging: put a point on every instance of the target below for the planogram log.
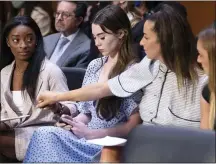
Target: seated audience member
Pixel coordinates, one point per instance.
(86, 27)
(24, 74)
(134, 17)
(110, 116)
(40, 11)
(169, 75)
(148, 6)
(133, 14)
(207, 58)
(70, 47)
(136, 11)
(122, 4)
(90, 13)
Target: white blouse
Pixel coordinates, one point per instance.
(163, 103)
(18, 101)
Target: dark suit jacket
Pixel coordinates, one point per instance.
(137, 34)
(76, 54)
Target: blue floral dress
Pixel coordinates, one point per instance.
(53, 144)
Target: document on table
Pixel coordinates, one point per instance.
(108, 141)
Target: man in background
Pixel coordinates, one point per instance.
(70, 47)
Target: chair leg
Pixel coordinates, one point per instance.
(111, 154)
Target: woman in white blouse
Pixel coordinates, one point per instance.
(169, 76)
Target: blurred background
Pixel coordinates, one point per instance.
(200, 13)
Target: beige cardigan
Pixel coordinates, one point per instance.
(50, 78)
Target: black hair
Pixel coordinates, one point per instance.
(31, 74)
(177, 42)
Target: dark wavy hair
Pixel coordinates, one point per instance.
(178, 44)
(114, 18)
(30, 77)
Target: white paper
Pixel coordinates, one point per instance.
(13, 118)
(108, 141)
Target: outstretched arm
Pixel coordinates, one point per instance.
(129, 82)
(86, 93)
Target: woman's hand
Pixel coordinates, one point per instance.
(63, 125)
(78, 128)
(46, 99)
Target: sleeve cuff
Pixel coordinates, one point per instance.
(116, 88)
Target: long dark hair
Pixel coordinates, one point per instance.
(114, 19)
(35, 61)
(178, 44)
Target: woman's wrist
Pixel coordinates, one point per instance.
(60, 97)
(95, 133)
(65, 96)
(57, 97)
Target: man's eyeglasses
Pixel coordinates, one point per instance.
(64, 15)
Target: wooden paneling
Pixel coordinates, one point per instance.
(200, 14)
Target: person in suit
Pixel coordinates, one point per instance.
(25, 73)
(70, 47)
